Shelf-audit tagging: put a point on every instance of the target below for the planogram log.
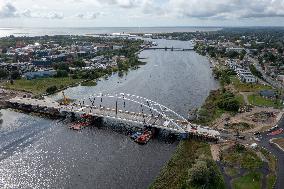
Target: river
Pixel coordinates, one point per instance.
(41, 153)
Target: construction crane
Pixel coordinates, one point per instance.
(65, 100)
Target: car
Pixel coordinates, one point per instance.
(241, 137)
(257, 133)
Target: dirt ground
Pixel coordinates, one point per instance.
(8, 94)
(215, 151)
(257, 117)
(280, 142)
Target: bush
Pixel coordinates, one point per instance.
(61, 73)
(15, 75)
(228, 102)
(51, 90)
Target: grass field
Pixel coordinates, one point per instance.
(247, 87)
(250, 181)
(39, 86)
(257, 100)
(242, 157)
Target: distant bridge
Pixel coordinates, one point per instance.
(169, 48)
(124, 107)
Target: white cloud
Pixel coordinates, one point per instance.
(154, 12)
(88, 15)
(7, 10)
(227, 8)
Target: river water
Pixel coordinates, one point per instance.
(41, 153)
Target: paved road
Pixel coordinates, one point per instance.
(272, 82)
(277, 152)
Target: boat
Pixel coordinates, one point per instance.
(83, 122)
(135, 135)
(144, 138)
(277, 132)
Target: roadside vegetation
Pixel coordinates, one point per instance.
(246, 170)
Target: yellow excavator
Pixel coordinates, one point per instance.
(65, 100)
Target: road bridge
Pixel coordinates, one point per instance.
(169, 48)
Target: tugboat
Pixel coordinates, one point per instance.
(144, 138)
(83, 122)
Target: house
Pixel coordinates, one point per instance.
(42, 63)
(280, 78)
(248, 79)
(267, 94)
(236, 49)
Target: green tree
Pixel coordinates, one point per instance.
(15, 75)
(61, 73)
(203, 175)
(51, 90)
(3, 73)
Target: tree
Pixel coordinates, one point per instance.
(15, 75)
(3, 73)
(61, 73)
(79, 63)
(61, 66)
(204, 174)
(51, 90)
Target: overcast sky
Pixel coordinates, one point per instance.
(139, 13)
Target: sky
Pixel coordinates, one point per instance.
(140, 13)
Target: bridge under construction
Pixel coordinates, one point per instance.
(123, 107)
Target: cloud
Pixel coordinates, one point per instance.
(88, 15)
(53, 15)
(227, 8)
(122, 3)
(7, 11)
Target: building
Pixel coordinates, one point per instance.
(267, 94)
(39, 74)
(42, 63)
(236, 49)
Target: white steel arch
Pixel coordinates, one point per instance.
(174, 120)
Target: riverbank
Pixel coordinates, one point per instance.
(257, 168)
(176, 173)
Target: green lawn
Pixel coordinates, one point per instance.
(241, 99)
(247, 87)
(249, 181)
(257, 100)
(39, 86)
